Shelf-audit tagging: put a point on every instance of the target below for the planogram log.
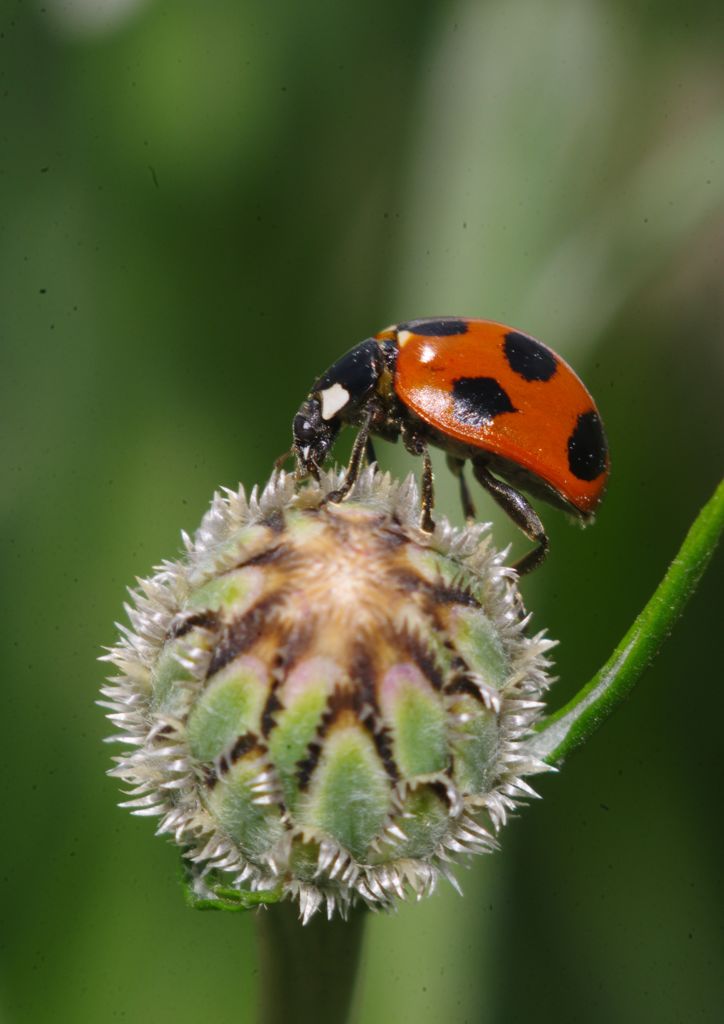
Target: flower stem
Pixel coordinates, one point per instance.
(308, 971)
(559, 734)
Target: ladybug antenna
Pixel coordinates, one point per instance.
(279, 463)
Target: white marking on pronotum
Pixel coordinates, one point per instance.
(333, 399)
(403, 337)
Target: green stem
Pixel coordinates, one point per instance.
(562, 732)
(307, 971)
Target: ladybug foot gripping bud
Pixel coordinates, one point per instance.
(324, 702)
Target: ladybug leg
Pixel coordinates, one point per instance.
(427, 523)
(354, 464)
(370, 452)
(456, 466)
(521, 512)
(416, 446)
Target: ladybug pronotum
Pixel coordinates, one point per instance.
(479, 391)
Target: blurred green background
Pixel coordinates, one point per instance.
(201, 206)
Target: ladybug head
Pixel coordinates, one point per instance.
(313, 437)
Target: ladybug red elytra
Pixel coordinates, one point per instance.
(478, 390)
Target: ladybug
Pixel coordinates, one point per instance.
(478, 390)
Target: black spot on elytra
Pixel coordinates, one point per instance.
(443, 328)
(478, 400)
(587, 448)
(528, 358)
(208, 620)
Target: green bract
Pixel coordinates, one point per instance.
(325, 702)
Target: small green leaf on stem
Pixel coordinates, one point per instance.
(227, 898)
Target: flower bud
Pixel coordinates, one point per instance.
(327, 703)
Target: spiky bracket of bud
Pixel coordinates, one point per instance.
(325, 702)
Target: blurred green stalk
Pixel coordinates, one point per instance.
(307, 972)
